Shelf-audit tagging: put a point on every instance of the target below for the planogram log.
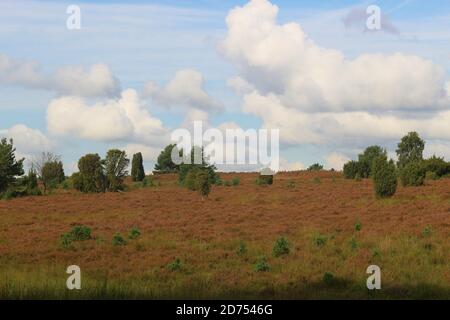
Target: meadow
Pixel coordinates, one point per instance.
(221, 246)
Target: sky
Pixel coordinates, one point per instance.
(137, 70)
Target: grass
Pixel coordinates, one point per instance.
(189, 249)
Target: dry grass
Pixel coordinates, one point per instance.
(205, 235)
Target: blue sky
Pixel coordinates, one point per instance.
(142, 41)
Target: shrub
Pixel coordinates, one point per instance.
(175, 265)
(436, 165)
(10, 168)
(52, 174)
(315, 167)
(281, 247)
(351, 169)
(410, 149)
(328, 278)
(365, 160)
(137, 167)
(228, 183)
(116, 164)
(412, 174)
(134, 233)
(235, 181)
(66, 240)
(431, 176)
(242, 249)
(80, 233)
(218, 182)
(264, 179)
(204, 183)
(148, 182)
(353, 243)
(118, 240)
(427, 231)
(164, 163)
(262, 265)
(91, 177)
(320, 240)
(358, 226)
(384, 177)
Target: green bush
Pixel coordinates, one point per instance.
(262, 265)
(412, 174)
(118, 240)
(366, 159)
(328, 278)
(52, 174)
(175, 265)
(235, 181)
(264, 179)
(430, 175)
(80, 233)
(358, 226)
(281, 247)
(384, 177)
(134, 233)
(315, 167)
(242, 249)
(228, 183)
(137, 167)
(91, 177)
(351, 169)
(320, 240)
(436, 165)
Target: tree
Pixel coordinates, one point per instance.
(38, 162)
(384, 177)
(137, 168)
(91, 177)
(436, 165)
(412, 174)
(10, 168)
(409, 149)
(164, 162)
(315, 167)
(184, 168)
(116, 164)
(365, 160)
(52, 173)
(351, 169)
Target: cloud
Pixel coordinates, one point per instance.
(282, 60)
(285, 165)
(121, 119)
(96, 80)
(27, 141)
(185, 90)
(240, 85)
(336, 161)
(357, 18)
(314, 95)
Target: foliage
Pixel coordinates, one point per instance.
(410, 149)
(235, 181)
(262, 265)
(281, 247)
(365, 160)
(412, 174)
(134, 233)
(118, 240)
(80, 233)
(137, 167)
(9, 166)
(164, 163)
(265, 179)
(320, 240)
(436, 165)
(52, 174)
(351, 169)
(91, 177)
(242, 249)
(175, 265)
(116, 164)
(384, 177)
(315, 167)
